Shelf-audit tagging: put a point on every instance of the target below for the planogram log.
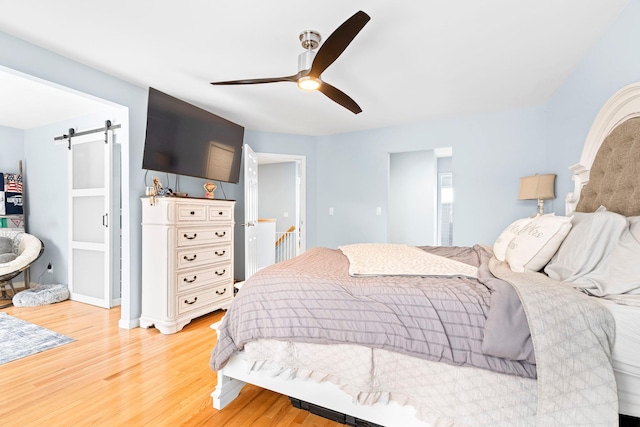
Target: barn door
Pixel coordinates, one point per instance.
(90, 218)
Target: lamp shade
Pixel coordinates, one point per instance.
(540, 187)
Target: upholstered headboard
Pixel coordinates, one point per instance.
(614, 178)
(609, 170)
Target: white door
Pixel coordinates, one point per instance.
(90, 217)
(250, 212)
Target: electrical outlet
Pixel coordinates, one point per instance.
(49, 268)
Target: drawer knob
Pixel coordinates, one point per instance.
(191, 302)
(224, 233)
(192, 237)
(221, 274)
(223, 291)
(190, 259)
(220, 213)
(192, 213)
(190, 281)
(220, 253)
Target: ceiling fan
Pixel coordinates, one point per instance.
(312, 64)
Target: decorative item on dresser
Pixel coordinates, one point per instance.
(187, 260)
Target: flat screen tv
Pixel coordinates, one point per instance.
(183, 139)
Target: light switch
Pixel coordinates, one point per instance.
(330, 211)
(285, 215)
(378, 210)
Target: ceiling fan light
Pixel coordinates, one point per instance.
(308, 83)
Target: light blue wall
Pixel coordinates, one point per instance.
(412, 194)
(277, 194)
(611, 64)
(11, 149)
(490, 153)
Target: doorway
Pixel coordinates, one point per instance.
(415, 197)
(281, 206)
(47, 168)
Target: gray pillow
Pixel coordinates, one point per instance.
(7, 257)
(6, 245)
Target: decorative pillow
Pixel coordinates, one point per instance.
(6, 245)
(532, 248)
(591, 239)
(503, 240)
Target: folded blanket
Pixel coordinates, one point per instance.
(388, 259)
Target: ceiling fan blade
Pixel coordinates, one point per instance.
(337, 42)
(340, 97)
(293, 78)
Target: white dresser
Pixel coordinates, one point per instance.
(187, 260)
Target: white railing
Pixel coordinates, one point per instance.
(287, 245)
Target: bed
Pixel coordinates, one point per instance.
(584, 368)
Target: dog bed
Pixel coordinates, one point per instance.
(41, 295)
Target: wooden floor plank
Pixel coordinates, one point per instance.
(116, 377)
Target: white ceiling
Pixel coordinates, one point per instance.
(415, 60)
(27, 102)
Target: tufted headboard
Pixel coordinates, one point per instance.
(614, 178)
(609, 170)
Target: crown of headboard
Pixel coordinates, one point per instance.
(609, 173)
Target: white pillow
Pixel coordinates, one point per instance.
(532, 248)
(590, 241)
(503, 240)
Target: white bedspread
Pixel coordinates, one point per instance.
(572, 339)
(388, 259)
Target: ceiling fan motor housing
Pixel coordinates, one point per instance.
(305, 59)
(310, 40)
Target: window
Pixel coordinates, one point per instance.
(445, 209)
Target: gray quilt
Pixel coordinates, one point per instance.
(313, 299)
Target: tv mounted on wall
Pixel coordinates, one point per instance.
(183, 139)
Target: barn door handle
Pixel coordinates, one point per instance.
(105, 220)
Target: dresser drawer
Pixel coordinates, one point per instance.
(220, 213)
(204, 276)
(204, 297)
(196, 256)
(192, 236)
(189, 212)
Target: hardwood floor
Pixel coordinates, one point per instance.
(138, 377)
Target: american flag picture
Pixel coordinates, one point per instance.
(13, 183)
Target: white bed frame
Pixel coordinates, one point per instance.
(623, 105)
